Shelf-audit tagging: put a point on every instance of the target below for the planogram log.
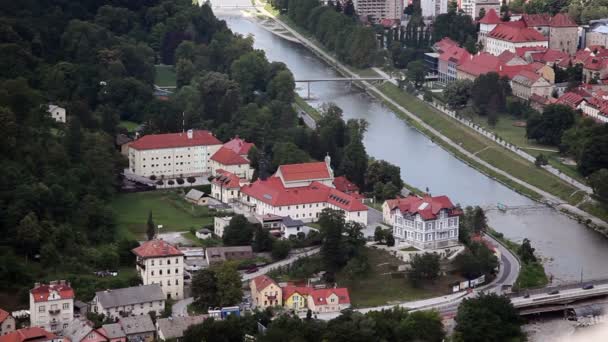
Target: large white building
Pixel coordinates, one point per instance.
(173, 155)
(513, 35)
(52, 305)
(129, 301)
(425, 223)
(433, 8)
(232, 157)
(159, 262)
(379, 9)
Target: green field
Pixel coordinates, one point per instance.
(128, 125)
(165, 76)
(168, 209)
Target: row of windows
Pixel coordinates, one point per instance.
(168, 282)
(160, 262)
(160, 272)
(42, 308)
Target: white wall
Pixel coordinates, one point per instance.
(41, 317)
(133, 310)
(168, 272)
(171, 162)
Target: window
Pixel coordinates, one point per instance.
(152, 262)
(176, 271)
(168, 271)
(160, 272)
(41, 308)
(66, 306)
(168, 282)
(152, 273)
(176, 281)
(169, 262)
(177, 260)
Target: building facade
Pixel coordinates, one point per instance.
(597, 33)
(433, 8)
(427, 222)
(265, 292)
(57, 113)
(129, 301)
(7, 323)
(328, 300)
(507, 37)
(173, 155)
(226, 185)
(159, 262)
(52, 305)
(377, 10)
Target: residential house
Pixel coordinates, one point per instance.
(225, 186)
(113, 332)
(52, 305)
(570, 99)
(82, 330)
(595, 108)
(233, 157)
(377, 10)
(57, 113)
(561, 30)
(304, 174)
(219, 224)
(221, 254)
(265, 292)
(486, 25)
(292, 228)
(80, 308)
(197, 197)
(294, 297)
(597, 33)
(426, 222)
(7, 323)
(173, 328)
(173, 155)
(512, 35)
(328, 300)
(159, 262)
(525, 83)
(32, 334)
(203, 233)
(194, 259)
(138, 328)
(129, 301)
(270, 221)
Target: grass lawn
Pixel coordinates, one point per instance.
(128, 125)
(168, 209)
(165, 76)
(310, 110)
(485, 149)
(597, 209)
(378, 287)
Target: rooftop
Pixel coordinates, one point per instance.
(45, 292)
(226, 179)
(343, 184)
(263, 281)
(174, 327)
(226, 156)
(137, 324)
(304, 171)
(239, 146)
(320, 296)
(130, 295)
(491, 18)
(427, 207)
(175, 140)
(113, 330)
(33, 334)
(156, 249)
(3, 315)
(289, 222)
(516, 34)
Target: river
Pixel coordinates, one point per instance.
(567, 247)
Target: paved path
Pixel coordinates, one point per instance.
(180, 308)
(289, 260)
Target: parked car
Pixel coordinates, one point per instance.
(588, 286)
(252, 270)
(554, 292)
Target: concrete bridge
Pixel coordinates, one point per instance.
(350, 80)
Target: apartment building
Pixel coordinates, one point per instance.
(52, 305)
(159, 262)
(129, 301)
(377, 10)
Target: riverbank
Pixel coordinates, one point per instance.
(527, 181)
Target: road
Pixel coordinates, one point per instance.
(180, 308)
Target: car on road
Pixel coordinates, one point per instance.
(252, 270)
(588, 286)
(553, 292)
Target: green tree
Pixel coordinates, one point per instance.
(262, 242)
(250, 71)
(479, 221)
(476, 261)
(599, 182)
(421, 326)
(424, 267)
(204, 289)
(526, 252)
(489, 317)
(594, 155)
(280, 249)
(239, 232)
(229, 284)
(541, 160)
(332, 224)
(29, 233)
(354, 163)
(185, 71)
(457, 93)
(151, 230)
(416, 73)
(381, 171)
(379, 234)
(549, 127)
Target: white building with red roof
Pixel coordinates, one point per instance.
(159, 262)
(7, 323)
(303, 174)
(450, 57)
(225, 186)
(513, 35)
(329, 300)
(32, 334)
(173, 154)
(51, 305)
(265, 292)
(487, 24)
(424, 222)
(232, 157)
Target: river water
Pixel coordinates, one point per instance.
(568, 247)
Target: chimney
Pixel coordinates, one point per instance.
(190, 133)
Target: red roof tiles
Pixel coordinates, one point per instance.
(427, 207)
(239, 146)
(304, 171)
(343, 184)
(490, 18)
(156, 249)
(42, 292)
(320, 296)
(516, 35)
(562, 20)
(226, 179)
(532, 20)
(479, 64)
(454, 54)
(263, 281)
(570, 99)
(3, 315)
(288, 291)
(226, 156)
(174, 140)
(33, 334)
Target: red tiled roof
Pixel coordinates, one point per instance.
(42, 292)
(454, 54)
(540, 99)
(516, 34)
(320, 296)
(239, 146)
(173, 140)
(226, 179)
(226, 156)
(541, 19)
(304, 171)
(490, 18)
(506, 56)
(3, 315)
(288, 291)
(156, 248)
(427, 207)
(32, 334)
(479, 64)
(343, 184)
(262, 281)
(271, 191)
(562, 20)
(570, 99)
(445, 43)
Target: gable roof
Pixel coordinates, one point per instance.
(526, 77)
(226, 179)
(263, 281)
(32, 334)
(570, 99)
(490, 18)
(562, 20)
(174, 140)
(239, 146)
(304, 171)
(320, 296)
(174, 327)
(444, 44)
(77, 330)
(41, 292)
(516, 34)
(427, 207)
(3, 315)
(113, 330)
(289, 290)
(137, 324)
(541, 19)
(155, 249)
(479, 64)
(454, 54)
(289, 222)
(226, 156)
(343, 184)
(130, 295)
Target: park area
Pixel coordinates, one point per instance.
(165, 76)
(168, 208)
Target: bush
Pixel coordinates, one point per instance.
(171, 182)
(180, 181)
(280, 249)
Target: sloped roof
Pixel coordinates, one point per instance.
(562, 20)
(479, 64)
(427, 207)
(226, 179)
(32, 334)
(320, 296)
(226, 156)
(454, 54)
(263, 281)
(156, 248)
(113, 330)
(3, 315)
(77, 330)
(137, 324)
(526, 77)
(541, 19)
(570, 99)
(289, 222)
(516, 34)
(239, 146)
(288, 291)
(174, 140)
(174, 327)
(42, 292)
(490, 18)
(194, 194)
(304, 171)
(444, 44)
(343, 184)
(130, 295)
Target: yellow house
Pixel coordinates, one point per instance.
(265, 292)
(295, 297)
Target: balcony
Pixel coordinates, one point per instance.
(54, 311)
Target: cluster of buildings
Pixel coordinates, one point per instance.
(265, 292)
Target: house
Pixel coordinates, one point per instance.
(270, 221)
(225, 186)
(476, 65)
(597, 33)
(294, 297)
(138, 328)
(450, 57)
(194, 258)
(221, 254)
(57, 113)
(113, 332)
(228, 160)
(136, 300)
(173, 328)
(173, 155)
(304, 174)
(32, 334)
(509, 36)
(197, 197)
(425, 222)
(595, 108)
(525, 83)
(377, 10)
(203, 234)
(570, 99)
(342, 183)
(291, 227)
(219, 224)
(486, 25)
(328, 300)
(159, 262)
(82, 330)
(561, 30)
(265, 292)
(7, 323)
(52, 305)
